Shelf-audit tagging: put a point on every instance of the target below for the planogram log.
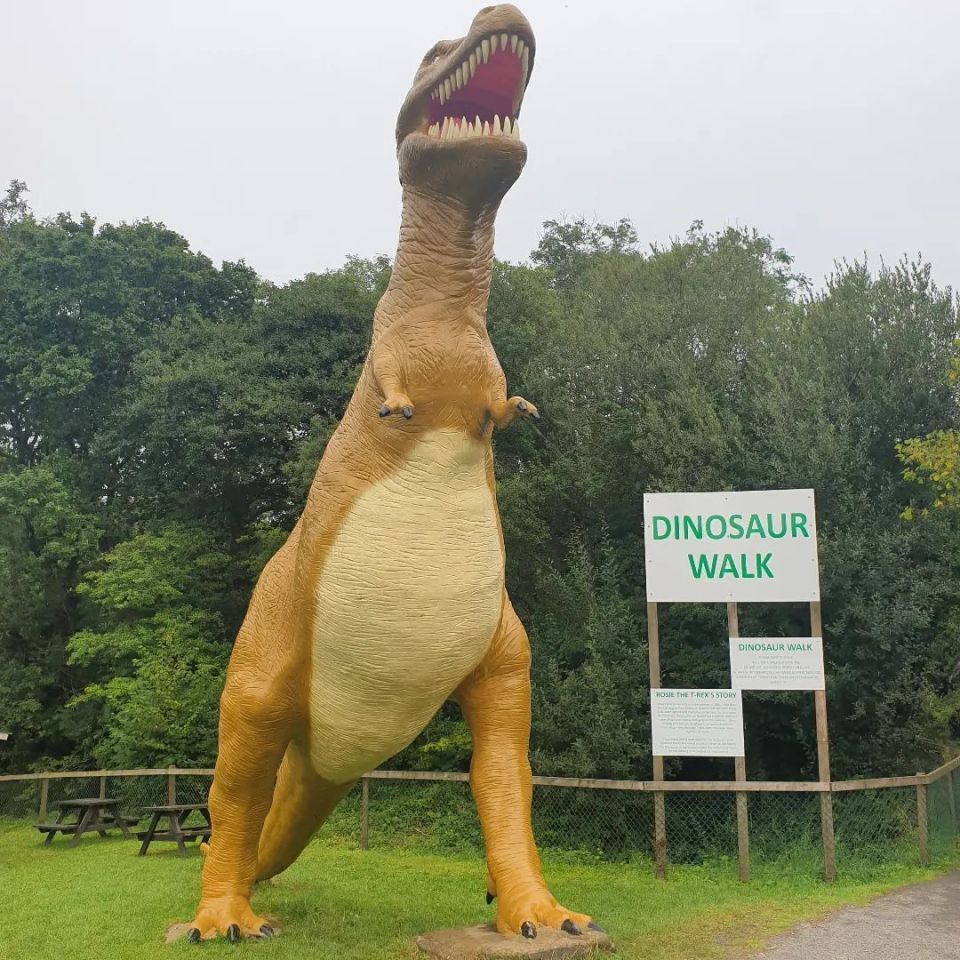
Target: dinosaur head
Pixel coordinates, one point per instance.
(457, 131)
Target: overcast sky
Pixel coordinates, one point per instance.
(264, 130)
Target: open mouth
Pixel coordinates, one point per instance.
(482, 96)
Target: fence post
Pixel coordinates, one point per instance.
(952, 800)
(922, 822)
(171, 786)
(659, 807)
(364, 813)
(103, 788)
(44, 796)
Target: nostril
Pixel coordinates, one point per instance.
(486, 10)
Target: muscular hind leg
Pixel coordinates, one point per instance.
(496, 705)
(252, 743)
(260, 711)
(301, 802)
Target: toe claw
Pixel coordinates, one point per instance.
(568, 926)
(595, 926)
(528, 930)
(233, 933)
(193, 935)
(490, 898)
(407, 412)
(536, 414)
(384, 411)
(266, 931)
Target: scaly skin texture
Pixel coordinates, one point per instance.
(388, 597)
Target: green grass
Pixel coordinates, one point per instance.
(99, 901)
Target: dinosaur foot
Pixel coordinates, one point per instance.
(525, 912)
(229, 916)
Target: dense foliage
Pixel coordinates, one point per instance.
(160, 419)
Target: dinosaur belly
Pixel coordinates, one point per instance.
(407, 603)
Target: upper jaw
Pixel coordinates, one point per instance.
(476, 89)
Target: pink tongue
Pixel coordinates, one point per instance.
(489, 92)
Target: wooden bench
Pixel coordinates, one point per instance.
(57, 827)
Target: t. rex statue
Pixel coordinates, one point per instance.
(388, 598)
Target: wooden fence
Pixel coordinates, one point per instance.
(921, 782)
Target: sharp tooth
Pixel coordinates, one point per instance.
(494, 40)
(526, 60)
(497, 129)
(458, 78)
(447, 89)
(506, 126)
(516, 129)
(478, 126)
(514, 40)
(485, 49)
(503, 42)
(464, 127)
(472, 61)
(443, 128)
(520, 48)
(486, 128)
(441, 93)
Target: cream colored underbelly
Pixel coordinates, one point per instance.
(407, 603)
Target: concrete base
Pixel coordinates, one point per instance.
(484, 943)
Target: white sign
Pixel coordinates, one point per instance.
(696, 723)
(743, 546)
(776, 663)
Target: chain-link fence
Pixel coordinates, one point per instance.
(872, 826)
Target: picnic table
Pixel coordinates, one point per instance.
(176, 830)
(98, 814)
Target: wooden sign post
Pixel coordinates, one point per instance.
(659, 809)
(740, 774)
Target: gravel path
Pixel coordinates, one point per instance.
(920, 922)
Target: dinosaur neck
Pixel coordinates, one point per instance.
(444, 259)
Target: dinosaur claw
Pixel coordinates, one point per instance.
(233, 933)
(536, 414)
(193, 935)
(407, 412)
(384, 411)
(490, 898)
(595, 926)
(266, 931)
(521, 406)
(528, 930)
(568, 926)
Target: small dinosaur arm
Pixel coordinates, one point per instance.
(388, 597)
